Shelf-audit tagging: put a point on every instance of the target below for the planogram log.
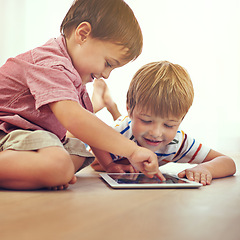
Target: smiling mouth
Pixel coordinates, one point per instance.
(152, 142)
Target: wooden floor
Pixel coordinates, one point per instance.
(91, 210)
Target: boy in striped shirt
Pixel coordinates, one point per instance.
(159, 96)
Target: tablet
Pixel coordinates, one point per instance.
(139, 180)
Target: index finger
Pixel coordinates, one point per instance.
(157, 174)
(160, 176)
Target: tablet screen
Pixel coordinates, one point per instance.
(139, 180)
(142, 179)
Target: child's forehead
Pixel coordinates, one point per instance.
(148, 113)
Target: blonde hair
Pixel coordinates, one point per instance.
(111, 20)
(163, 88)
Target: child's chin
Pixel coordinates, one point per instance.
(152, 148)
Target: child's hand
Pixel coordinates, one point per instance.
(198, 174)
(146, 162)
(120, 168)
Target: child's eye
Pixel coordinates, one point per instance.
(168, 126)
(145, 121)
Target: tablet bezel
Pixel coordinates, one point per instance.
(114, 184)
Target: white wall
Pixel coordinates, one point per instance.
(25, 24)
(201, 35)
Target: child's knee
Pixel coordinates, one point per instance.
(59, 169)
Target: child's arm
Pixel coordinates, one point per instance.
(215, 165)
(91, 130)
(104, 162)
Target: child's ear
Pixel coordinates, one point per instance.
(128, 110)
(82, 32)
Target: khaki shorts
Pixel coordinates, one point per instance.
(26, 140)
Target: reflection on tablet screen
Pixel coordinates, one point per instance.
(142, 179)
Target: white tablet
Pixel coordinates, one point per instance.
(139, 180)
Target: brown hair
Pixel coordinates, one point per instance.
(111, 20)
(163, 88)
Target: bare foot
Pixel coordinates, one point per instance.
(101, 95)
(97, 97)
(65, 186)
(97, 167)
(102, 98)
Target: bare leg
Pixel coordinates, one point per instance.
(77, 162)
(102, 98)
(27, 170)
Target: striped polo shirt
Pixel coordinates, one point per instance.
(182, 149)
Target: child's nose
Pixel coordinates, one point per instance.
(156, 131)
(106, 73)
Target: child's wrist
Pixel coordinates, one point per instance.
(133, 148)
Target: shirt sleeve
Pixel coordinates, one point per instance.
(51, 84)
(190, 151)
